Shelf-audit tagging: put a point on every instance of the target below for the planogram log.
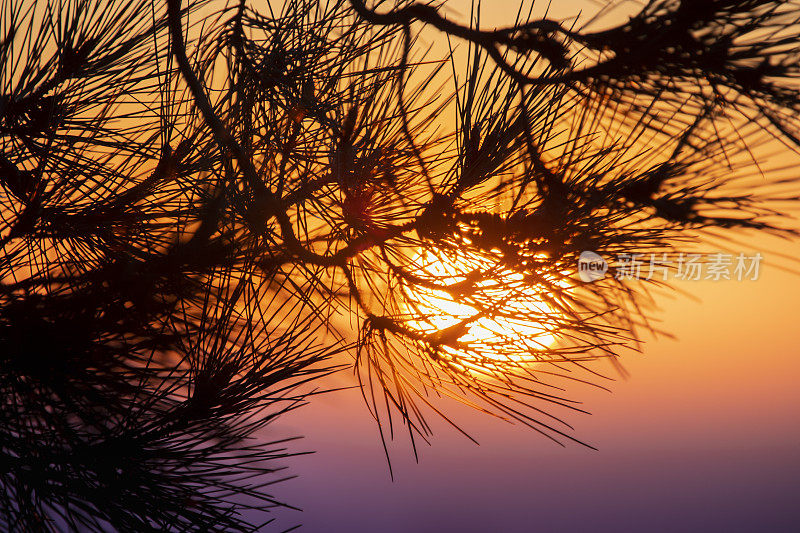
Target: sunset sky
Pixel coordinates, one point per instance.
(380, 219)
(703, 436)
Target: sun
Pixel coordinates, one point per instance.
(520, 327)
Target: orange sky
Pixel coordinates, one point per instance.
(705, 434)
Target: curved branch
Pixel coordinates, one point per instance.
(227, 143)
(533, 36)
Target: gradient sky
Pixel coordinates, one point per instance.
(703, 436)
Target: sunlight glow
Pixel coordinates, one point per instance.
(519, 330)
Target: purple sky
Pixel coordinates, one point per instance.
(704, 436)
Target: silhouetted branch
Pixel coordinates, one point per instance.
(205, 208)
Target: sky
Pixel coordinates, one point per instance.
(704, 435)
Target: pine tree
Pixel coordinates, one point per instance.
(207, 206)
